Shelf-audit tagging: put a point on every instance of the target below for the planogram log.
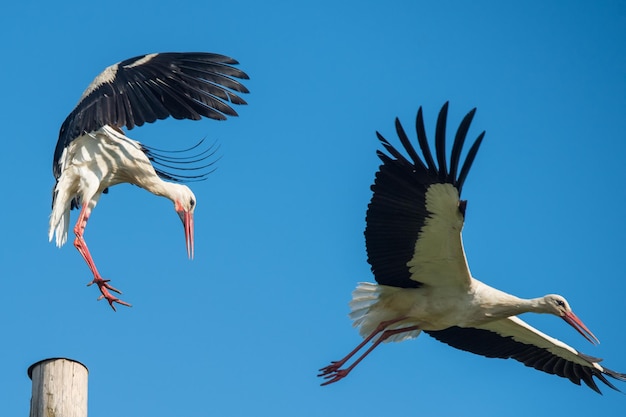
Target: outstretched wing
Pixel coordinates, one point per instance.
(514, 338)
(415, 217)
(155, 86)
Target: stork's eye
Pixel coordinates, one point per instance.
(560, 303)
(192, 203)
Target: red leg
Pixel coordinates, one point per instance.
(332, 371)
(81, 246)
(335, 365)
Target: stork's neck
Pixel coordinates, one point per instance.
(157, 186)
(499, 304)
(179, 194)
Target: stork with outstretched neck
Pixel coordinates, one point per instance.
(93, 153)
(414, 247)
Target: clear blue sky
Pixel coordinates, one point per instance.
(242, 329)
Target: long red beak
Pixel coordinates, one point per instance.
(580, 327)
(187, 218)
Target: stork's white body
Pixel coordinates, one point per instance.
(94, 162)
(433, 308)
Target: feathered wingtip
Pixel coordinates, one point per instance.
(181, 166)
(436, 166)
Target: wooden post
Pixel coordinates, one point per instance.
(59, 388)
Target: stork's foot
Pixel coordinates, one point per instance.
(104, 287)
(333, 367)
(332, 372)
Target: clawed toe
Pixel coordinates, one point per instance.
(104, 283)
(104, 287)
(333, 367)
(110, 299)
(333, 373)
(334, 376)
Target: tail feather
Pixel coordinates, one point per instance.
(366, 316)
(59, 226)
(59, 218)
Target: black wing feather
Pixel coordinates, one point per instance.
(406, 143)
(147, 88)
(469, 159)
(459, 141)
(397, 211)
(422, 139)
(492, 345)
(440, 143)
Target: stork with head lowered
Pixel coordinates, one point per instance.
(93, 153)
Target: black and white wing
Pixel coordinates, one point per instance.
(514, 338)
(155, 86)
(415, 217)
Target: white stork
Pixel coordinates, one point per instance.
(93, 153)
(414, 247)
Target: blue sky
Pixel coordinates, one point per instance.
(242, 329)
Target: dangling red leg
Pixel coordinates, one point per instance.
(81, 246)
(333, 372)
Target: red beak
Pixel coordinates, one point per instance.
(580, 327)
(187, 218)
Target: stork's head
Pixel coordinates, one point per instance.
(185, 204)
(557, 305)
